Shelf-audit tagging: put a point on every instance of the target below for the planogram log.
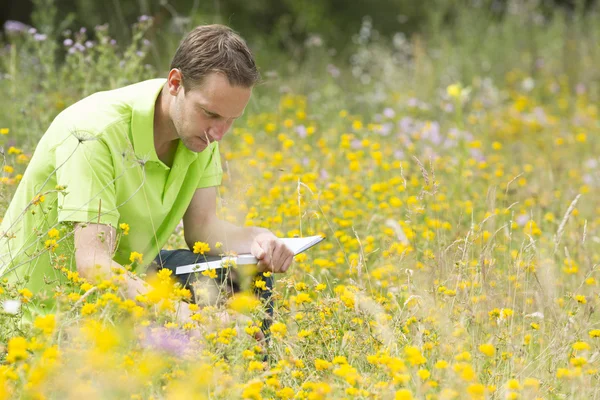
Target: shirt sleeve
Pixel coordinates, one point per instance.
(86, 168)
(213, 173)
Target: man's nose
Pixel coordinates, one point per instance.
(217, 131)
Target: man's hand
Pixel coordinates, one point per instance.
(272, 254)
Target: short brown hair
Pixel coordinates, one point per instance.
(215, 48)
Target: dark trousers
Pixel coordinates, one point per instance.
(206, 291)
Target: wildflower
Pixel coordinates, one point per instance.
(39, 198)
(136, 257)
(46, 323)
(51, 244)
(278, 329)
(403, 394)
(211, 273)
(218, 245)
(4, 131)
(487, 349)
(580, 299)
(454, 90)
(302, 298)
(17, 349)
(243, 303)
(201, 248)
(513, 384)
(476, 391)
(88, 309)
(322, 365)
(53, 233)
(580, 346)
(304, 333)
(594, 333)
(125, 228)
(424, 374)
(414, 356)
(26, 294)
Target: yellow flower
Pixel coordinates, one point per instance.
(594, 333)
(302, 298)
(125, 228)
(580, 299)
(17, 349)
(136, 257)
(88, 309)
(51, 244)
(27, 295)
(487, 349)
(211, 273)
(243, 303)
(403, 394)
(46, 323)
(424, 374)
(454, 90)
(278, 329)
(53, 233)
(4, 131)
(201, 248)
(39, 198)
(580, 346)
(322, 365)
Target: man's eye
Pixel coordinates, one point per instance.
(210, 115)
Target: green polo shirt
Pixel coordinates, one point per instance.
(102, 150)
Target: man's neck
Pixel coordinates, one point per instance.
(165, 138)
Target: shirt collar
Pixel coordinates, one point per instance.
(142, 119)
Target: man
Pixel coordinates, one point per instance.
(144, 156)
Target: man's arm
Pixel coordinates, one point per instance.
(94, 247)
(200, 224)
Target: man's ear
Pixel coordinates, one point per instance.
(175, 81)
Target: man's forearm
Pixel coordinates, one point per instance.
(234, 238)
(103, 267)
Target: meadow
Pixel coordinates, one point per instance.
(453, 174)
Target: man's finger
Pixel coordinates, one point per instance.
(288, 263)
(257, 251)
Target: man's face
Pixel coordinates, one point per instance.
(204, 114)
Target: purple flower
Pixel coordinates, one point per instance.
(32, 31)
(389, 112)
(324, 174)
(356, 144)
(40, 37)
(146, 42)
(139, 53)
(398, 154)
(82, 30)
(113, 41)
(386, 129)
(522, 219)
(172, 341)
(68, 42)
(301, 131)
(11, 26)
(89, 44)
(143, 18)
